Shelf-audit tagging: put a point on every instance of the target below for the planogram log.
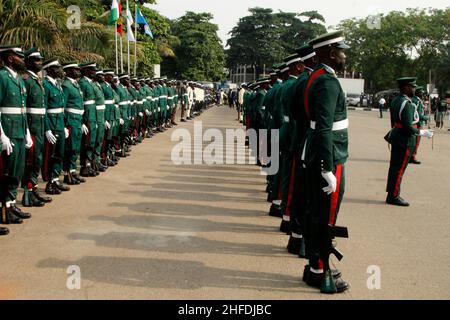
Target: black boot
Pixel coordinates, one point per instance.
(8, 217)
(61, 186)
(30, 200)
(51, 189)
(77, 177)
(285, 226)
(70, 180)
(396, 201)
(4, 231)
(40, 197)
(19, 213)
(275, 211)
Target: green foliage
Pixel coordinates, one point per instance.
(265, 37)
(407, 43)
(199, 52)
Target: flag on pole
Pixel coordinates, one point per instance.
(114, 13)
(143, 23)
(120, 21)
(129, 15)
(130, 35)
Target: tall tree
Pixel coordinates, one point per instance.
(264, 37)
(199, 52)
(404, 43)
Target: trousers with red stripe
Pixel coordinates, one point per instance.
(54, 157)
(322, 210)
(34, 161)
(400, 157)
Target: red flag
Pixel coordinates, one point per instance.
(120, 21)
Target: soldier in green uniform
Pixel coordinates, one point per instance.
(296, 200)
(112, 120)
(135, 97)
(402, 137)
(3, 231)
(287, 129)
(324, 154)
(102, 124)
(14, 132)
(163, 94)
(118, 117)
(145, 93)
(417, 100)
(89, 126)
(55, 130)
(124, 105)
(74, 112)
(36, 122)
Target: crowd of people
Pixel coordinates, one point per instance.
(75, 122)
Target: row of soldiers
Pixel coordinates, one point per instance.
(77, 115)
(304, 101)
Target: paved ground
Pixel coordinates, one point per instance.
(148, 229)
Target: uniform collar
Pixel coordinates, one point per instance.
(292, 76)
(34, 75)
(12, 72)
(308, 69)
(53, 81)
(72, 80)
(329, 69)
(89, 80)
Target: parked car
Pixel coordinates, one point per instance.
(354, 100)
(388, 95)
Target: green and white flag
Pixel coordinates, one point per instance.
(114, 14)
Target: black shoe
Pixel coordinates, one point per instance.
(61, 186)
(294, 245)
(52, 189)
(316, 280)
(307, 271)
(8, 217)
(398, 201)
(77, 177)
(270, 197)
(70, 180)
(275, 211)
(414, 161)
(40, 197)
(111, 163)
(84, 172)
(4, 231)
(19, 213)
(183, 120)
(101, 168)
(29, 200)
(285, 226)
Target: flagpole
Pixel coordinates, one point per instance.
(128, 41)
(117, 52)
(135, 38)
(121, 53)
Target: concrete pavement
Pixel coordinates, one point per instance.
(148, 229)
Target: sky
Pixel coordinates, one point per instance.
(228, 12)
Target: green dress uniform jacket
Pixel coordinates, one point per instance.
(74, 111)
(55, 103)
(90, 112)
(421, 110)
(327, 110)
(405, 117)
(13, 97)
(110, 103)
(36, 121)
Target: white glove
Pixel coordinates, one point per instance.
(427, 133)
(29, 141)
(168, 108)
(159, 109)
(107, 125)
(7, 144)
(84, 129)
(121, 122)
(147, 112)
(332, 182)
(141, 114)
(132, 118)
(50, 137)
(66, 133)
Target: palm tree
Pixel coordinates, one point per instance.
(43, 24)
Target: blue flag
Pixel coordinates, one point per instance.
(141, 21)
